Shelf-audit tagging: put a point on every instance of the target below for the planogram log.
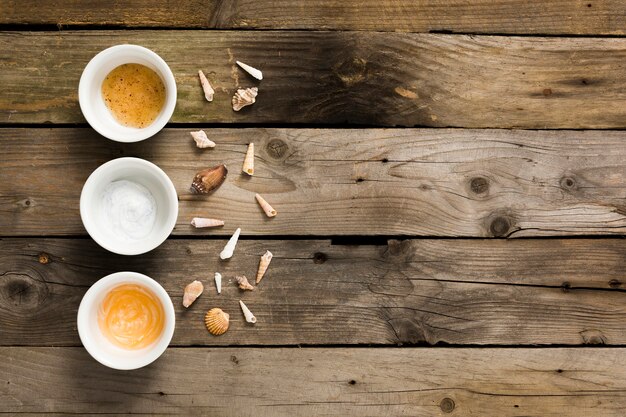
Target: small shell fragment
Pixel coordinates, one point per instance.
(263, 264)
(192, 292)
(248, 161)
(243, 283)
(269, 210)
(199, 222)
(201, 139)
(229, 249)
(206, 86)
(208, 179)
(244, 97)
(246, 312)
(251, 70)
(218, 282)
(216, 321)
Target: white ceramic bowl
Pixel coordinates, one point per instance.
(141, 172)
(97, 343)
(90, 96)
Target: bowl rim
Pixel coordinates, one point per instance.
(165, 181)
(91, 116)
(82, 317)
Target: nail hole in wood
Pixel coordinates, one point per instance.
(566, 286)
(352, 382)
(319, 258)
(547, 92)
(384, 160)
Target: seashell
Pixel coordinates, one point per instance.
(248, 161)
(243, 283)
(269, 210)
(218, 282)
(208, 179)
(192, 292)
(199, 222)
(216, 321)
(206, 86)
(229, 249)
(263, 264)
(247, 313)
(201, 139)
(251, 70)
(244, 97)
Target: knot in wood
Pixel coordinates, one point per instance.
(568, 183)
(447, 405)
(44, 258)
(479, 185)
(500, 226)
(351, 71)
(276, 148)
(319, 258)
(22, 293)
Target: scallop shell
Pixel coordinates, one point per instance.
(201, 139)
(229, 248)
(263, 264)
(218, 282)
(216, 321)
(247, 313)
(206, 86)
(192, 292)
(199, 222)
(208, 179)
(243, 283)
(251, 70)
(269, 210)
(248, 161)
(244, 97)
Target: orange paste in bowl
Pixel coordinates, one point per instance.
(131, 316)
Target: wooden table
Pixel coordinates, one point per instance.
(406, 145)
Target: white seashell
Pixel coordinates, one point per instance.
(244, 97)
(199, 222)
(248, 161)
(246, 312)
(201, 139)
(229, 249)
(192, 292)
(206, 86)
(251, 70)
(218, 282)
(269, 210)
(263, 264)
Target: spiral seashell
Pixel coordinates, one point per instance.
(206, 86)
(263, 264)
(244, 97)
(243, 283)
(248, 161)
(218, 282)
(229, 249)
(192, 292)
(269, 210)
(201, 139)
(251, 70)
(247, 313)
(216, 321)
(208, 179)
(199, 222)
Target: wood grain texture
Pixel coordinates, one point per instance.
(556, 17)
(496, 292)
(321, 382)
(385, 79)
(481, 183)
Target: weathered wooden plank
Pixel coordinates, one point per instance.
(556, 17)
(493, 292)
(385, 79)
(341, 182)
(321, 382)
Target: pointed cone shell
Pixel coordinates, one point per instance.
(248, 161)
(208, 179)
(201, 139)
(243, 283)
(192, 292)
(269, 210)
(251, 70)
(206, 86)
(218, 282)
(199, 222)
(247, 313)
(216, 321)
(229, 249)
(263, 264)
(244, 97)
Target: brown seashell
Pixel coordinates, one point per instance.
(208, 179)
(267, 208)
(263, 264)
(248, 162)
(243, 283)
(200, 222)
(206, 86)
(244, 97)
(192, 292)
(216, 321)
